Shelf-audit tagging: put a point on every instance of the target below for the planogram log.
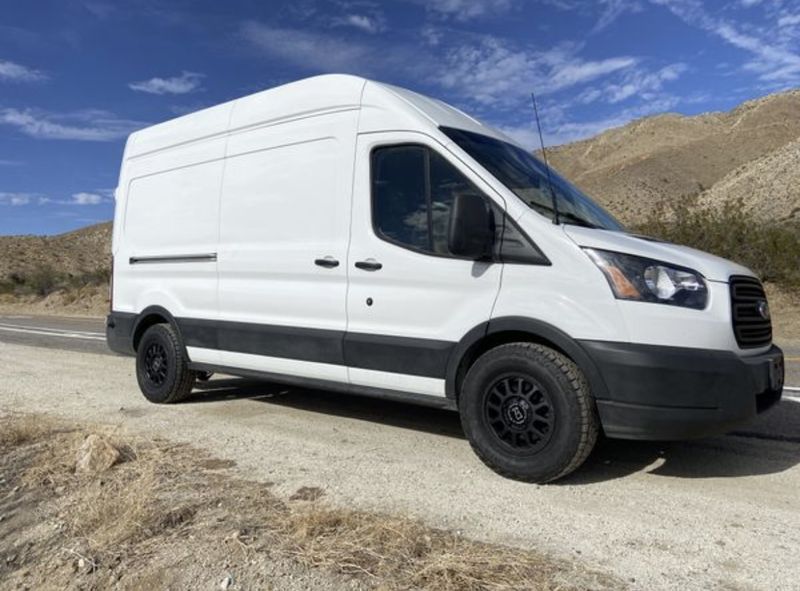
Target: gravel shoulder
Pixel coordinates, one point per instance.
(716, 513)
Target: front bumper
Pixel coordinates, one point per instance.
(663, 393)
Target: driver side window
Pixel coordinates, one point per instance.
(413, 190)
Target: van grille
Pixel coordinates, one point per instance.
(750, 327)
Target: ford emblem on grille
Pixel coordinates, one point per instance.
(763, 309)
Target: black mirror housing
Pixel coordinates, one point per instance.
(472, 227)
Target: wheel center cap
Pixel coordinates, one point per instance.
(517, 412)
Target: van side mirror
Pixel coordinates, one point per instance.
(472, 227)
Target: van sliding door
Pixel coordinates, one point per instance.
(285, 223)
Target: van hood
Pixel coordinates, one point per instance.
(712, 267)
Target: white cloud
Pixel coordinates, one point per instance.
(774, 51)
(91, 126)
(307, 49)
(96, 197)
(634, 82)
(612, 10)
(577, 71)
(100, 10)
(16, 199)
(368, 24)
(185, 83)
(496, 75)
(86, 199)
(789, 20)
(17, 73)
(463, 10)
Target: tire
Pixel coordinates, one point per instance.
(528, 413)
(162, 366)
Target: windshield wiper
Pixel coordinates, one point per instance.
(566, 217)
(574, 220)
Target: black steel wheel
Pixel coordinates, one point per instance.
(156, 364)
(162, 368)
(528, 413)
(520, 412)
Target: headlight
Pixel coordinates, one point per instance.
(645, 280)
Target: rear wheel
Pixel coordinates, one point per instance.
(162, 366)
(528, 413)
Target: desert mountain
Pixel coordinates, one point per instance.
(74, 253)
(768, 187)
(750, 152)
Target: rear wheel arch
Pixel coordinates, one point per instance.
(151, 316)
(514, 329)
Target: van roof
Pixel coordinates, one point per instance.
(310, 96)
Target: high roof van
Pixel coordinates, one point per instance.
(352, 236)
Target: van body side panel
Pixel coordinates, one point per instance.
(570, 294)
(286, 206)
(168, 221)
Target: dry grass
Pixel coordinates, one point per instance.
(21, 430)
(162, 497)
(407, 554)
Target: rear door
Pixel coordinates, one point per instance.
(409, 300)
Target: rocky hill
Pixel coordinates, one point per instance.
(74, 253)
(768, 187)
(750, 152)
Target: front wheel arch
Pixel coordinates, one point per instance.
(510, 329)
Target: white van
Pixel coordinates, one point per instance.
(348, 235)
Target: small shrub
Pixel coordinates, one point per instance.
(770, 249)
(45, 280)
(42, 282)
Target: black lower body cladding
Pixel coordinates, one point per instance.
(663, 393)
(641, 391)
(119, 332)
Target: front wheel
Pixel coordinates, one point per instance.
(528, 413)
(162, 366)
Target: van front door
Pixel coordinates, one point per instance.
(410, 300)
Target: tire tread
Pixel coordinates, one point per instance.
(185, 378)
(579, 386)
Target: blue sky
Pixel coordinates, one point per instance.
(76, 76)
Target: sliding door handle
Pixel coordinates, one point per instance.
(369, 265)
(328, 262)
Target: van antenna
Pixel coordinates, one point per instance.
(544, 156)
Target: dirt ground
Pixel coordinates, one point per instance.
(152, 514)
(718, 513)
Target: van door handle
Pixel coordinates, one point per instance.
(369, 265)
(327, 262)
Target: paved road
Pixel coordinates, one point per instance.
(55, 332)
(714, 513)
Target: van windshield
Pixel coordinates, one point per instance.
(526, 177)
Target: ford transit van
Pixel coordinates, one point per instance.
(352, 236)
